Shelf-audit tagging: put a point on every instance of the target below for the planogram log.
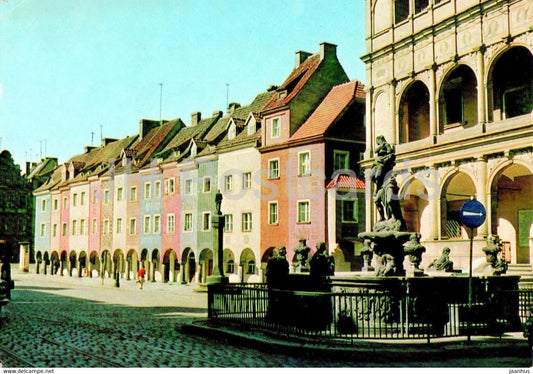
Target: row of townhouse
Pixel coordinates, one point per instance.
(286, 165)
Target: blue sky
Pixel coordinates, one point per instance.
(69, 68)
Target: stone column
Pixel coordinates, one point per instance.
(218, 221)
(369, 125)
(395, 120)
(481, 87)
(433, 105)
(482, 195)
(434, 202)
(369, 206)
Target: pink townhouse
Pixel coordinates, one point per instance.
(329, 143)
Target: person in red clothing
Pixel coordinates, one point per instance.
(140, 276)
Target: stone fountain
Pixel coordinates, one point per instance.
(389, 240)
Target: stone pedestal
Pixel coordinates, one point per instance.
(218, 263)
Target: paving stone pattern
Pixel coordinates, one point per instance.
(45, 328)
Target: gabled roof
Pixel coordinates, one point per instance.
(346, 182)
(333, 105)
(182, 139)
(294, 83)
(218, 134)
(46, 166)
(155, 141)
(94, 162)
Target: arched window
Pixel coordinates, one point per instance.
(414, 113)
(458, 98)
(512, 84)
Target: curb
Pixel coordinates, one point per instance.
(442, 349)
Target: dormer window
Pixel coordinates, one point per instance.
(251, 126)
(282, 95)
(232, 132)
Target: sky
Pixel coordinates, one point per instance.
(73, 71)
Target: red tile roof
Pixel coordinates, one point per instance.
(294, 82)
(329, 109)
(347, 182)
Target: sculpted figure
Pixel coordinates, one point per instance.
(443, 262)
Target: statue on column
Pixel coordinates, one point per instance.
(386, 188)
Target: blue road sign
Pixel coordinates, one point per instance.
(472, 214)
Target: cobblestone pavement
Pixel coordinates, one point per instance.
(71, 322)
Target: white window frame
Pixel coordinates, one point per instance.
(228, 223)
(187, 186)
(208, 216)
(228, 183)
(105, 229)
(120, 193)
(82, 227)
(171, 223)
(82, 198)
(54, 230)
(170, 184)
(157, 187)
(65, 203)
(270, 175)
(133, 193)
(277, 133)
(302, 165)
(43, 229)
(119, 226)
(270, 220)
(133, 225)
(56, 204)
(75, 199)
(157, 224)
(64, 229)
(308, 220)
(147, 190)
(246, 225)
(74, 227)
(106, 196)
(95, 226)
(147, 225)
(206, 179)
(247, 180)
(188, 225)
(43, 204)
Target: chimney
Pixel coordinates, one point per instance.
(196, 117)
(28, 168)
(327, 50)
(106, 141)
(232, 107)
(301, 56)
(89, 148)
(217, 113)
(145, 125)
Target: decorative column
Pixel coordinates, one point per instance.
(433, 103)
(482, 195)
(369, 208)
(218, 244)
(434, 202)
(481, 87)
(395, 120)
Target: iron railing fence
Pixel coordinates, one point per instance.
(364, 314)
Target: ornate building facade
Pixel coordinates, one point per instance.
(450, 85)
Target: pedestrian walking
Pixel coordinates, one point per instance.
(140, 277)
